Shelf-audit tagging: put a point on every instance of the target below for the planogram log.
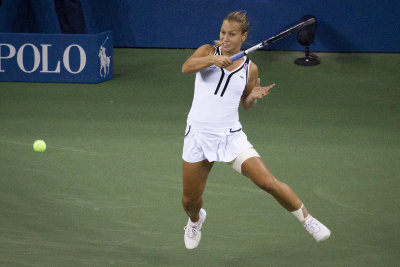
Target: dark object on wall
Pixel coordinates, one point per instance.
(306, 37)
(70, 15)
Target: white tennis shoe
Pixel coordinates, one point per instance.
(193, 231)
(319, 231)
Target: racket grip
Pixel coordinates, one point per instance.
(237, 56)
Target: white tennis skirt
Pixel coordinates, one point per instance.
(218, 144)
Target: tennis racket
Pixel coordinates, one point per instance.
(274, 38)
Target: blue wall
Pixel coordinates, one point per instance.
(343, 25)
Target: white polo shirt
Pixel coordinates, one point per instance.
(213, 128)
(217, 94)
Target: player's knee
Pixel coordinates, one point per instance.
(269, 184)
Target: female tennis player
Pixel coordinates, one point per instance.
(214, 133)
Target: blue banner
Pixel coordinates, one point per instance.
(64, 58)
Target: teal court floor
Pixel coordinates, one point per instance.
(107, 191)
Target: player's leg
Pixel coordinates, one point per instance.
(250, 164)
(255, 169)
(194, 178)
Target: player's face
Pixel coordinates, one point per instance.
(231, 37)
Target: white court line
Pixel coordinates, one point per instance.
(327, 197)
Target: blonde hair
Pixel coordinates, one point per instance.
(239, 17)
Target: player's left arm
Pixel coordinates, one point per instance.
(253, 89)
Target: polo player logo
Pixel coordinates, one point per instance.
(104, 60)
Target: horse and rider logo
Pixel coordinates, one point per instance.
(104, 60)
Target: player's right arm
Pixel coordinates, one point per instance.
(204, 57)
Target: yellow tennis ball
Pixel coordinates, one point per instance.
(39, 146)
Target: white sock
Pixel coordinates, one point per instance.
(199, 221)
(195, 223)
(300, 215)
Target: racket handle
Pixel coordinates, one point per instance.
(237, 56)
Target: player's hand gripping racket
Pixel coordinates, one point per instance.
(274, 38)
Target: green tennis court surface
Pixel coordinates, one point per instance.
(107, 190)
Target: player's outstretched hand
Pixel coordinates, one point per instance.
(261, 91)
